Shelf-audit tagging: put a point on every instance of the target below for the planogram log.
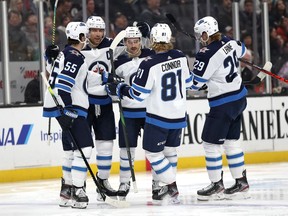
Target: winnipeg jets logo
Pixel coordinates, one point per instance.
(74, 52)
(147, 58)
(98, 67)
(203, 50)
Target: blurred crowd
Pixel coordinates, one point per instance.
(24, 38)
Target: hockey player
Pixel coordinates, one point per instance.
(68, 81)
(126, 66)
(161, 79)
(216, 67)
(100, 113)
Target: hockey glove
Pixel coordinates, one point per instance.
(144, 28)
(203, 87)
(122, 90)
(111, 88)
(67, 118)
(107, 77)
(51, 53)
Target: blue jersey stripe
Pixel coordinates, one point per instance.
(167, 125)
(228, 98)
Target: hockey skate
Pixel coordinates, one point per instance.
(155, 189)
(65, 194)
(123, 190)
(214, 191)
(239, 190)
(167, 195)
(79, 198)
(105, 188)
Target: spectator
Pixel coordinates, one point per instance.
(63, 8)
(120, 23)
(19, 46)
(30, 29)
(246, 17)
(224, 15)
(24, 7)
(282, 29)
(32, 91)
(276, 44)
(153, 13)
(90, 11)
(278, 12)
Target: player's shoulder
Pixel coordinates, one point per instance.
(106, 42)
(122, 59)
(146, 52)
(73, 55)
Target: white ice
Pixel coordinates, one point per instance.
(268, 190)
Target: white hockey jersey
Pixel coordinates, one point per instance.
(98, 59)
(216, 65)
(162, 80)
(126, 68)
(68, 82)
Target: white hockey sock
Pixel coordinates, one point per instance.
(79, 169)
(104, 157)
(161, 166)
(171, 154)
(213, 159)
(66, 166)
(235, 157)
(125, 172)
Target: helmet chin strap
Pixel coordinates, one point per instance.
(204, 42)
(85, 42)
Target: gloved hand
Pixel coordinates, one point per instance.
(203, 87)
(107, 77)
(143, 27)
(119, 90)
(51, 53)
(67, 118)
(111, 88)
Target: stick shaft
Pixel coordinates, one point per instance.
(264, 71)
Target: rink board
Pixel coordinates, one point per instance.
(26, 153)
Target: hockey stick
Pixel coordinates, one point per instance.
(107, 199)
(53, 41)
(112, 48)
(54, 22)
(264, 70)
(260, 76)
(177, 26)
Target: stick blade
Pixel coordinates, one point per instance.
(119, 37)
(268, 65)
(135, 187)
(116, 203)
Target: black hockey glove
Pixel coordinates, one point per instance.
(111, 88)
(51, 53)
(107, 77)
(144, 28)
(66, 120)
(203, 87)
(123, 90)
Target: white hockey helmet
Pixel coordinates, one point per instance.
(132, 32)
(95, 22)
(160, 32)
(74, 29)
(207, 24)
